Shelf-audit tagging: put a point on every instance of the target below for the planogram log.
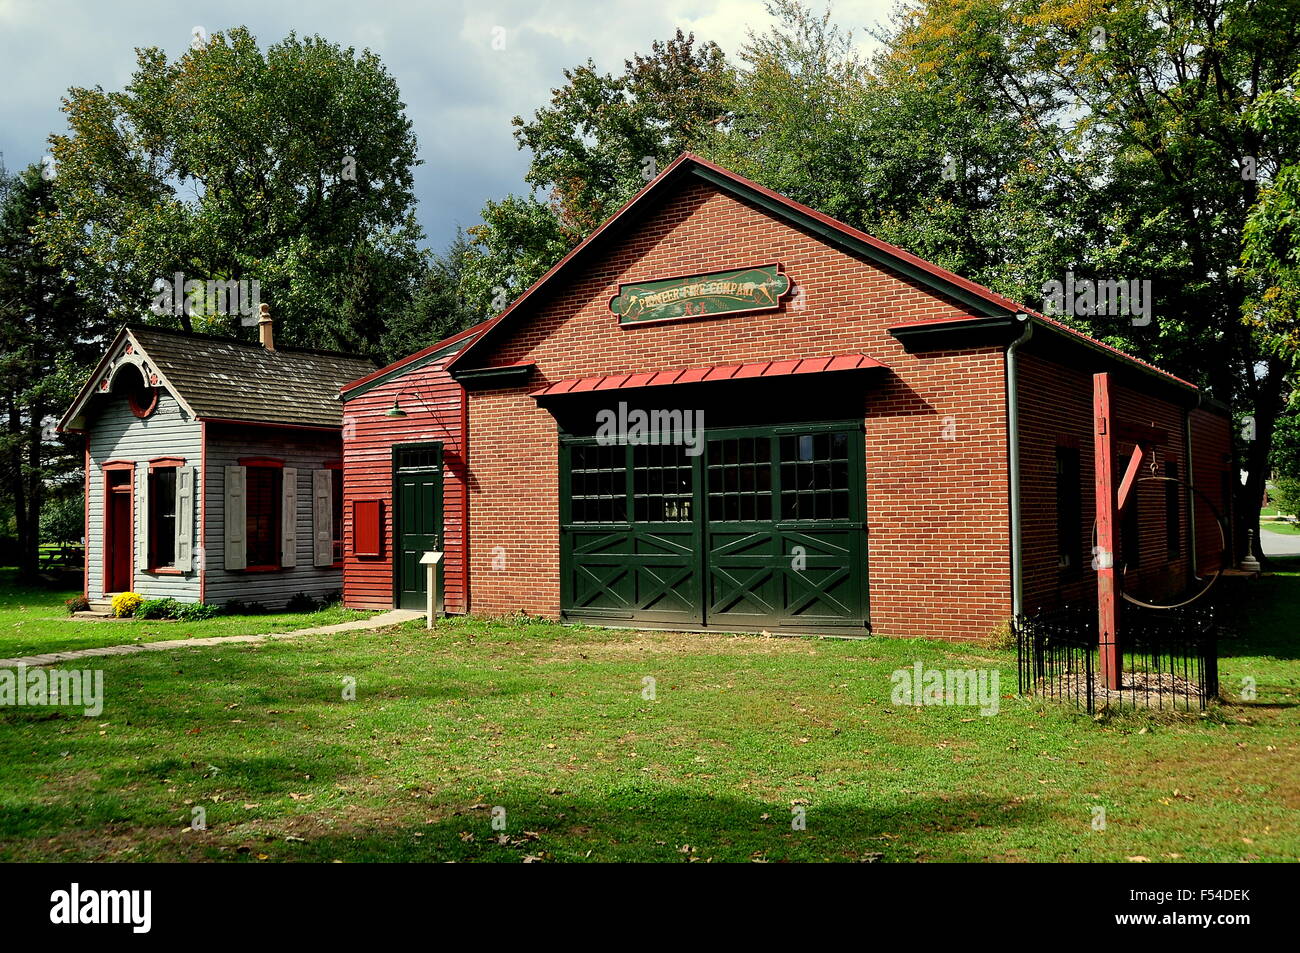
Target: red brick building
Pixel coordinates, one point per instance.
(727, 410)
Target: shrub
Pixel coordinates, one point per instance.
(77, 604)
(197, 611)
(240, 607)
(158, 609)
(125, 604)
(1286, 496)
(300, 602)
(1003, 635)
(332, 598)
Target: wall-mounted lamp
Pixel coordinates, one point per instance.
(395, 410)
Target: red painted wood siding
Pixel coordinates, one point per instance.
(368, 441)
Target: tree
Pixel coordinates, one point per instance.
(438, 307)
(597, 143)
(1159, 153)
(63, 520)
(1271, 252)
(49, 338)
(290, 167)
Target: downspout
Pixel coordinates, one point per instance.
(1013, 467)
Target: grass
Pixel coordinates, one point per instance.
(550, 724)
(1278, 526)
(34, 620)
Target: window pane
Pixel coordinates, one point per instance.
(662, 484)
(162, 517)
(598, 483)
(815, 476)
(262, 501)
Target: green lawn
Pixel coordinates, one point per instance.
(549, 723)
(34, 620)
(1278, 526)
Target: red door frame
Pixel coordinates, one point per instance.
(130, 503)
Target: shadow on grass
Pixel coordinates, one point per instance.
(633, 823)
(1267, 618)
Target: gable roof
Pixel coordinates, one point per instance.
(410, 363)
(982, 301)
(218, 378)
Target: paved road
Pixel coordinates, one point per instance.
(1279, 544)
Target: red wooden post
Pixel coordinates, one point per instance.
(1106, 554)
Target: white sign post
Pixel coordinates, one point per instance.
(431, 560)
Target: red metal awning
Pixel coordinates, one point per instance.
(718, 372)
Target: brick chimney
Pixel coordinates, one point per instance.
(265, 328)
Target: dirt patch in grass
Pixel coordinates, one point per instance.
(639, 644)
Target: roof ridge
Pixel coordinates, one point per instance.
(136, 327)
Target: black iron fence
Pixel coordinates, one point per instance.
(1168, 659)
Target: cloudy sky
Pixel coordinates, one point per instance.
(460, 92)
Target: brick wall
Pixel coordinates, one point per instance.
(1056, 410)
(937, 508)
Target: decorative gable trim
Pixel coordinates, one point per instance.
(125, 350)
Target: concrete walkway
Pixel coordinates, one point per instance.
(383, 619)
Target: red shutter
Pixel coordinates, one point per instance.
(367, 527)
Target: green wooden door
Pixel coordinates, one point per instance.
(765, 528)
(417, 521)
(630, 540)
(786, 533)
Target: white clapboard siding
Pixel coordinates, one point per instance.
(289, 517)
(236, 509)
(302, 452)
(322, 495)
(113, 433)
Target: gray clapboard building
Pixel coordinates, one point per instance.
(213, 467)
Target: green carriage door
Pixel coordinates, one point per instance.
(786, 534)
(630, 534)
(417, 492)
(766, 528)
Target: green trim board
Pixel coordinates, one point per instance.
(511, 375)
(740, 291)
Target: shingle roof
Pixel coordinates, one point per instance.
(228, 379)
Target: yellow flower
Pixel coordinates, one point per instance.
(125, 604)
